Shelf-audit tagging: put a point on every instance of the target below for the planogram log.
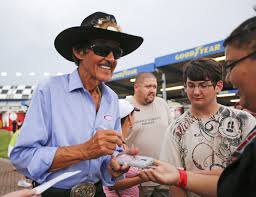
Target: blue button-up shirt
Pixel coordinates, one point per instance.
(62, 113)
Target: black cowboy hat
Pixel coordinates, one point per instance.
(93, 28)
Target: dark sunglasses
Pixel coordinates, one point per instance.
(229, 67)
(104, 50)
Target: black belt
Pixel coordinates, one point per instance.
(58, 192)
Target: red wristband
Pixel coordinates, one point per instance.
(183, 178)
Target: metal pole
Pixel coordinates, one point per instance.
(164, 86)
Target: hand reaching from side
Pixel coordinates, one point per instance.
(22, 193)
(162, 173)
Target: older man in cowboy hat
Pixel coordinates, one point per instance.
(73, 120)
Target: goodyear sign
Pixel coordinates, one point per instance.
(133, 71)
(124, 74)
(201, 51)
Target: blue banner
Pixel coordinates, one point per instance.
(193, 53)
(133, 71)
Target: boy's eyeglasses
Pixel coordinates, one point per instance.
(201, 86)
(104, 50)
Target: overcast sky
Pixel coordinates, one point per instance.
(29, 27)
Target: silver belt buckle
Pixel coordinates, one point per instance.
(83, 190)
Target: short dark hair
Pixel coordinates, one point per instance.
(124, 118)
(202, 69)
(81, 46)
(244, 36)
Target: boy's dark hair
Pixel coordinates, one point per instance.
(202, 69)
(244, 36)
(124, 118)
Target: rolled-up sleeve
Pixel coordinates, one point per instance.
(106, 178)
(32, 154)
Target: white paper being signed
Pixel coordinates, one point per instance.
(41, 188)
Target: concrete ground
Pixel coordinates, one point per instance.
(8, 177)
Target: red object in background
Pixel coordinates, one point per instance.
(20, 117)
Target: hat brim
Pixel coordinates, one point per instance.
(75, 35)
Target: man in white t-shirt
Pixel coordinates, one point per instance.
(150, 125)
(206, 135)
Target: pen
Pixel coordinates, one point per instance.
(123, 142)
(104, 128)
(119, 151)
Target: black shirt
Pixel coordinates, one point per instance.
(239, 178)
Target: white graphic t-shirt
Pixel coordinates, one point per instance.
(202, 144)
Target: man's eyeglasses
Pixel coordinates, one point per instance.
(201, 86)
(230, 66)
(104, 50)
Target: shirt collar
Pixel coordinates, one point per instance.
(106, 92)
(74, 81)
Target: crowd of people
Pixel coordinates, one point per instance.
(238, 178)
(204, 137)
(208, 151)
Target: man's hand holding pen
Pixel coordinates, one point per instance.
(103, 142)
(106, 142)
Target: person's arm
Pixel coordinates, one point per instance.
(126, 183)
(164, 173)
(22, 193)
(104, 142)
(34, 156)
(204, 185)
(131, 178)
(176, 191)
(115, 169)
(209, 172)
